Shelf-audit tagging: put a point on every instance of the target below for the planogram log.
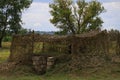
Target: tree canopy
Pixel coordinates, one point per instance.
(10, 15)
(76, 18)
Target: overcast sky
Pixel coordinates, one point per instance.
(37, 16)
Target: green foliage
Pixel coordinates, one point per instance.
(23, 31)
(10, 13)
(7, 39)
(10, 16)
(76, 17)
(64, 32)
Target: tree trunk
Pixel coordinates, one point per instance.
(1, 37)
(0, 43)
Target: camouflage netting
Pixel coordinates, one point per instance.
(23, 47)
(87, 50)
(91, 50)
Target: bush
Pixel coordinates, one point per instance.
(7, 39)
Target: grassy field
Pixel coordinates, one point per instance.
(4, 54)
(5, 51)
(60, 77)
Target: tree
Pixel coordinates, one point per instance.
(76, 17)
(23, 31)
(10, 16)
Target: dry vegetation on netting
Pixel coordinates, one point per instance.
(88, 50)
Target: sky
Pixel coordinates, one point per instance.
(37, 16)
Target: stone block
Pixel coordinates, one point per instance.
(50, 59)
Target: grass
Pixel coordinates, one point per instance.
(5, 51)
(34, 77)
(59, 77)
(4, 54)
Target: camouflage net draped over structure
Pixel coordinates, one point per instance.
(89, 50)
(21, 49)
(86, 50)
(25, 46)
